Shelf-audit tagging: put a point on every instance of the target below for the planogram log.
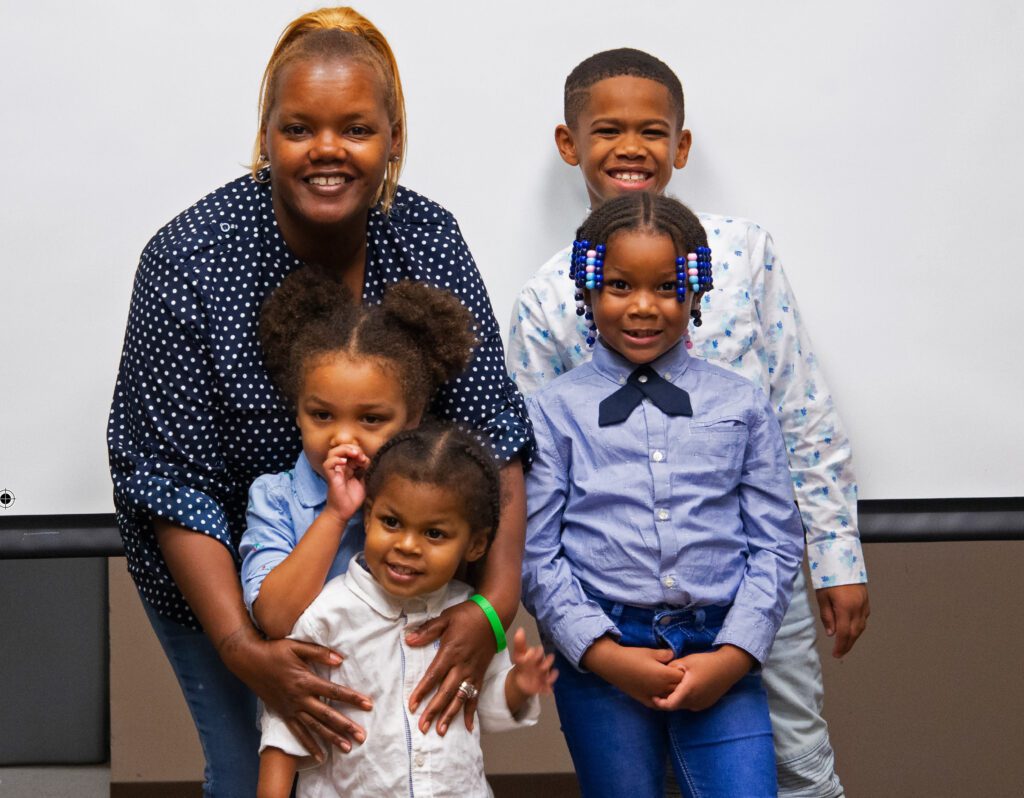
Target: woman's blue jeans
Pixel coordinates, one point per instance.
(222, 707)
(619, 747)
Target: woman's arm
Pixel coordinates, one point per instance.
(278, 671)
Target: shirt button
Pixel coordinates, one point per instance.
(669, 581)
(657, 455)
(419, 760)
(642, 378)
(663, 514)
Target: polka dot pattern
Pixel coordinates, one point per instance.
(195, 418)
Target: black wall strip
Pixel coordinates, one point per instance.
(881, 521)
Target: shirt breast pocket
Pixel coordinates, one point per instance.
(722, 439)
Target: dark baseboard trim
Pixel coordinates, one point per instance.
(156, 789)
(536, 785)
(881, 521)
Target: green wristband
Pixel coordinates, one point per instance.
(492, 616)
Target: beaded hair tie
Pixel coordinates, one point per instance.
(694, 270)
(586, 270)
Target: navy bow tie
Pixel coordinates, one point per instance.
(643, 382)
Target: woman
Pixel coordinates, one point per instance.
(195, 418)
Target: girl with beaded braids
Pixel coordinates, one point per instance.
(663, 538)
(431, 508)
(195, 417)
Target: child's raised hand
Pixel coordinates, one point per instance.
(706, 678)
(532, 669)
(344, 469)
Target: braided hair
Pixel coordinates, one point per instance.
(624, 61)
(641, 211)
(422, 334)
(450, 457)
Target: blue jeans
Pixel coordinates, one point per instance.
(619, 747)
(222, 707)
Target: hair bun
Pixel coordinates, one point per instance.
(307, 298)
(437, 322)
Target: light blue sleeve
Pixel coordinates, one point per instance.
(269, 535)
(551, 592)
(774, 538)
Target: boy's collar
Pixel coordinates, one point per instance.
(362, 583)
(609, 363)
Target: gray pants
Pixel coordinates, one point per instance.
(792, 679)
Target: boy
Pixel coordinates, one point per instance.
(624, 113)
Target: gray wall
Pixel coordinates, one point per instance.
(928, 704)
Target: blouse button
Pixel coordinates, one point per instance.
(657, 455)
(419, 760)
(642, 378)
(662, 514)
(669, 581)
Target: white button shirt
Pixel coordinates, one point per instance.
(355, 616)
(752, 326)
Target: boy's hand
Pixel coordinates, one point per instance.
(706, 678)
(844, 614)
(641, 673)
(344, 469)
(532, 669)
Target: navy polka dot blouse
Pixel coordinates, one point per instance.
(195, 417)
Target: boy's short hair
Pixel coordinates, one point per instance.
(613, 64)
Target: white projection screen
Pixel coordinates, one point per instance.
(879, 142)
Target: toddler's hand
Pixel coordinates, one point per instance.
(706, 678)
(532, 670)
(344, 469)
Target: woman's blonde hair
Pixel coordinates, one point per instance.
(357, 38)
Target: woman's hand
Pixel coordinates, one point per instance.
(641, 673)
(279, 672)
(344, 469)
(467, 646)
(706, 678)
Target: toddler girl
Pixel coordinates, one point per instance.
(432, 505)
(356, 376)
(663, 538)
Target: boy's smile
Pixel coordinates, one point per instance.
(626, 138)
(636, 312)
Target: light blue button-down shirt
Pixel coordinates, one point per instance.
(281, 508)
(659, 511)
(752, 326)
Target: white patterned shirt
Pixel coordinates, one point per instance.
(752, 326)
